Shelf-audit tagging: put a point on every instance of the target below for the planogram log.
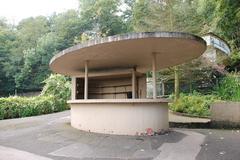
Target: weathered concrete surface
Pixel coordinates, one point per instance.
(220, 145)
(12, 154)
(120, 116)
(184, 119)
(225, 113)
(127, 51)
(52, 137)
(187, 149)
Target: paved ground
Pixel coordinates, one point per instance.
(184, 119)
(50, 137)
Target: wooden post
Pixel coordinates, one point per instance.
(73, 93)
(86, 81)
(134, 83)
(154, 75)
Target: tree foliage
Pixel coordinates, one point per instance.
(229, 88)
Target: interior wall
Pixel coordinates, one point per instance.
(79, 88)
(111, 88)
(114, 88)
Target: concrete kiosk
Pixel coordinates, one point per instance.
(109, 79)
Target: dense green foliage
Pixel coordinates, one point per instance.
(196, 104)
(229, 88)
(193, 104)
(56, 92)
(233, 62)
(58, 86)
(194, 16)
(15, 107)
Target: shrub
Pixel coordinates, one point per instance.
(52, 99)
(229, 88)
(16, 107)
(57, 85)
(194, 104)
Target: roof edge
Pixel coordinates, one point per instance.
(128, 36)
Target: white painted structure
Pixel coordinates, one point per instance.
(124, 117)
(109, 82)
(217, 48)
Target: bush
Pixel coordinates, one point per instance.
(229, 88)
(52, 99)
(57, 85)
(194, 104)
(16, 107)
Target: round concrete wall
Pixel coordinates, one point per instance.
(120, 118)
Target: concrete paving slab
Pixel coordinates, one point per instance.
(14, 154)
(187, 149)
(52, 137)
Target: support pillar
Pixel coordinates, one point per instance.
(86, 81)
(134, 83)
(163, 89)
(73, 92)
(154, 76)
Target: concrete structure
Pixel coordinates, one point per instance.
(217, 51)
(226, 113)
(109, 82)
(217, 48)
(120, 116)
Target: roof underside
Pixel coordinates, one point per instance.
(127, 51)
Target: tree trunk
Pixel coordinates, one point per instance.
(176, 83)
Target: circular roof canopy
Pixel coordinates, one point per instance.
(127, 51)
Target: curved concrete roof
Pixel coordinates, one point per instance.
(129, 50)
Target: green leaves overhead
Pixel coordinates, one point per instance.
(102, 16)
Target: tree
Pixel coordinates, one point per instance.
(36, 60)
(6, 39)
(66, 26)
(157, 16)
(29, 30)
(176, 15)
(228, 23)
(102, 17)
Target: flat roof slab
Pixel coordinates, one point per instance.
(127, 51)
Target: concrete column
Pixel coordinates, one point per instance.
(154, 75)
(163, 88)
(134, 83)
(86, 81)
(73, 93)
